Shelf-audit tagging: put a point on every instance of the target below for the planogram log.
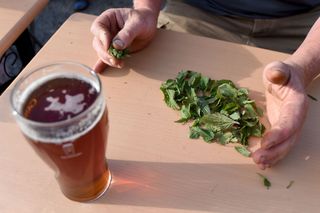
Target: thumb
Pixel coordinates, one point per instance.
(276, 72)
(126, 35)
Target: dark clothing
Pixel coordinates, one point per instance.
(255, 8)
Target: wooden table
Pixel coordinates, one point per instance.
(155, 167)
(15, 18)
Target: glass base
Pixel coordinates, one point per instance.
(106, 187)
(95, 196)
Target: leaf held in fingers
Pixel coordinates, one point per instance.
(118, 54)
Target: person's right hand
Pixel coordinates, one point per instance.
(124, 28)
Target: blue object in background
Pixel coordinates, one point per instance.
(80, 5)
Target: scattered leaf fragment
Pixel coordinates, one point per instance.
(290, 184)
(243, 151)
(265, 180)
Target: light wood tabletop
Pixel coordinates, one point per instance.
(155, 166)
(15, 16)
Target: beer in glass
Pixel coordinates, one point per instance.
(62, 114)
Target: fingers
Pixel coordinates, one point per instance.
(102, 32)
(277, 73)
(100, 66)
(265, 158)
(104, 28)
(284, 91)
(104, 55)
(291, 116)
(127, 34)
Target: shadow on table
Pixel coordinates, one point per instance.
(201, 187)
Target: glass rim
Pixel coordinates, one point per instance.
(21, 79)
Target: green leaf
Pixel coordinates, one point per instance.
(226, 91)
(235, 116)
(243, 151)
(170, 101)
(243, 91)
(218, 120)
(204, 82)
(265, 180)
(196, 131)
(225, 138)
(185, 112)
(250, 111)
(119, 54)
(257, 130)
(231, 107)
(220, 110)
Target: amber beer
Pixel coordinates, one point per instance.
(62, 114)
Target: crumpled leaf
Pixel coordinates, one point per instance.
(119, 54)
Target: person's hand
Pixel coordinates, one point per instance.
(286, 109)
(124, 28)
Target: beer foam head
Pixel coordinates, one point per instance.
(65, 130)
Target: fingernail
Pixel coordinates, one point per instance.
(118, 43)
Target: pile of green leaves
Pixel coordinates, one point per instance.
(219, 110)
(119, 54)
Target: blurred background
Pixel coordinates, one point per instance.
(45, 25)
(57, 11)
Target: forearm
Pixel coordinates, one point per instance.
(153, 5)
(307, 56)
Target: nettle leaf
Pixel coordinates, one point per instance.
(171, 101)
(243, 91)
(243, 151)
(196, 132)
(235, 116)
(231, 107)
(185, 112)
(250, 111)
(265, 180)
(219, 120)
(204, 82)
(119, 54)
(221, 112)
(225, 138)
(226, 91)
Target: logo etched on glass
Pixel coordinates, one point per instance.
(69, 151)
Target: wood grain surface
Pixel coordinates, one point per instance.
(155, 166)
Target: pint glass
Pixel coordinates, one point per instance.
(62, 113)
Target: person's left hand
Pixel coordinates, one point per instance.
(286, 109)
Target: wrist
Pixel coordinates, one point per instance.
(305, 68)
